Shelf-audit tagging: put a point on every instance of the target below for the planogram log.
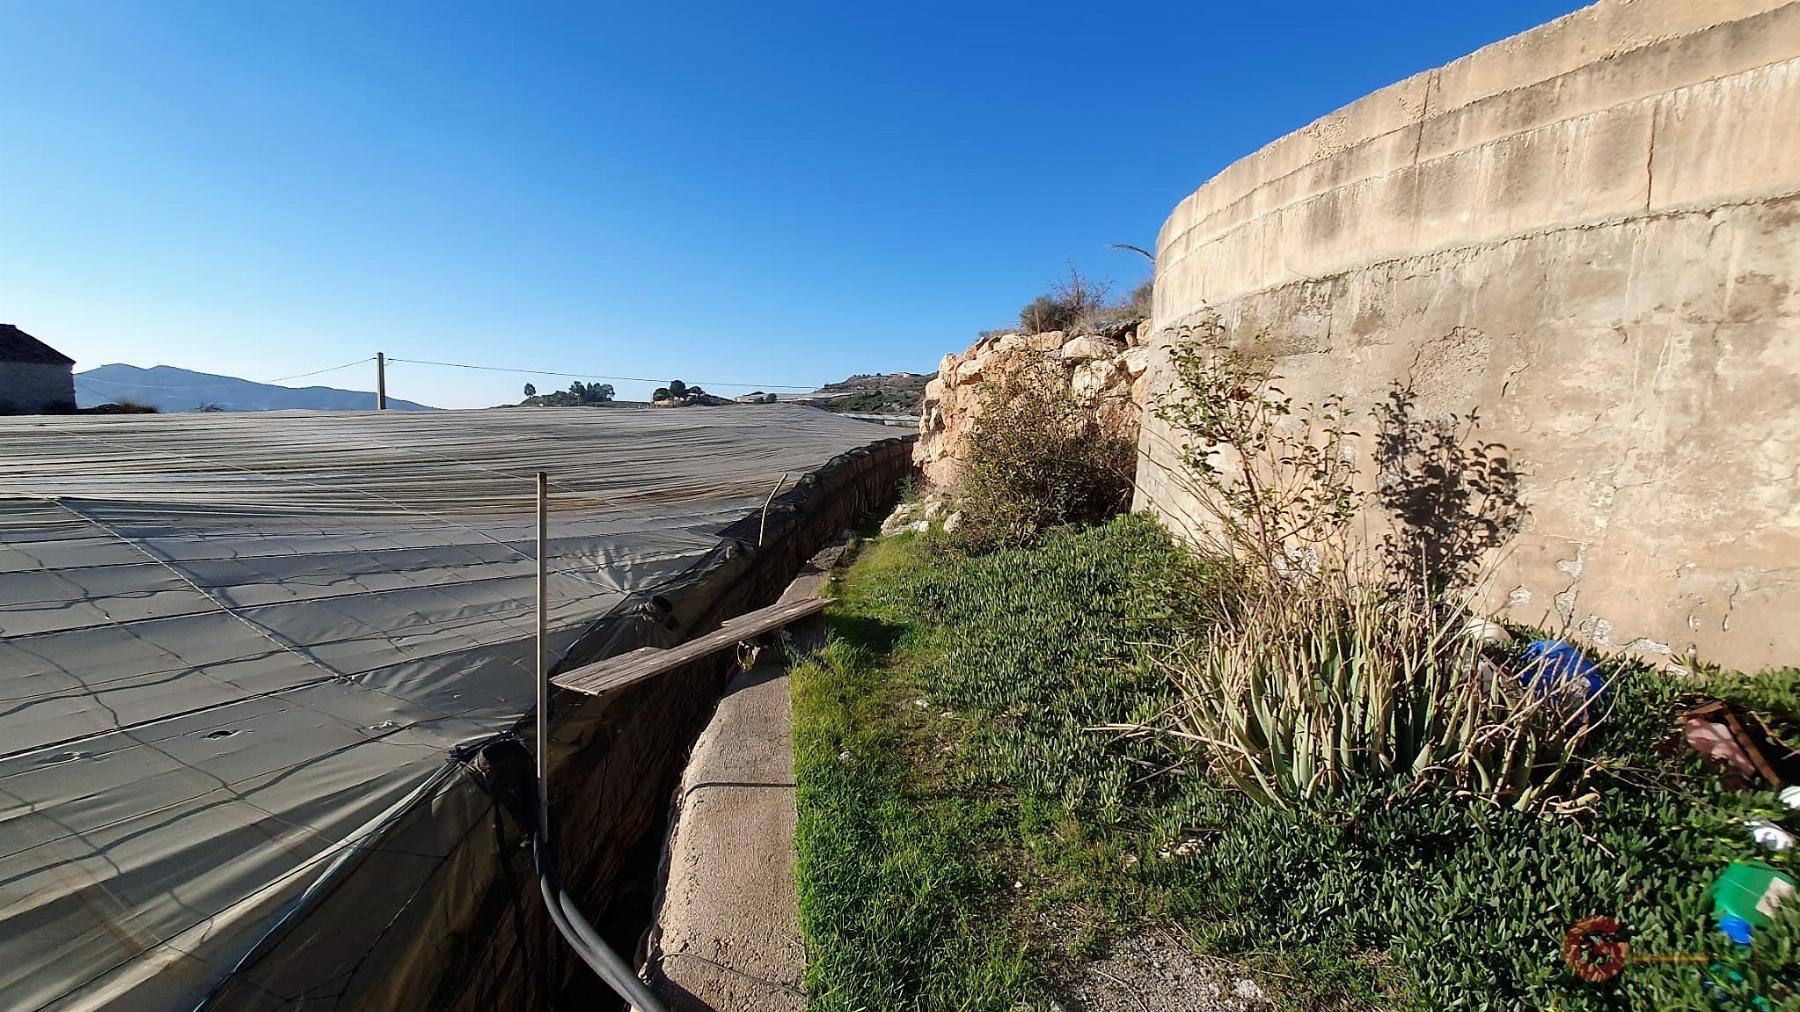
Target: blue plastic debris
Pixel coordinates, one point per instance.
(1736, 928)
(1553, 664)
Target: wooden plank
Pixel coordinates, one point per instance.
(646, 662)
(777, 615)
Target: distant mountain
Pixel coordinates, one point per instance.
(894, 393)
(167, 388)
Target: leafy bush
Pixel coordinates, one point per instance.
(1274, 484)
(1038, 460)
(579, 393)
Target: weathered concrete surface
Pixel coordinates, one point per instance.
(1588, 233)
(726, 934)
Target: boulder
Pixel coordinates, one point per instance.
(1083, 348)
(1010, 343)
(1136, 360)
(1091, 379)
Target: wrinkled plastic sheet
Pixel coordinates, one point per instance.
(233, 648)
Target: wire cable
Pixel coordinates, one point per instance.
(582, 375)
(133, 385)
(316, 372)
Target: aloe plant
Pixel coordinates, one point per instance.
(1309, 685)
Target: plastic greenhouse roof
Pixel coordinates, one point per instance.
(229, 644)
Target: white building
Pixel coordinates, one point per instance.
(34, 377)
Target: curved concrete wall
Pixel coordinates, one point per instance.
(1590, 233)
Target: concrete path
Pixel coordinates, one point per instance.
(726, 935)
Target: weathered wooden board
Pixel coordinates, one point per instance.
(646, 662)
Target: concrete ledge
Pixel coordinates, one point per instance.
(726, 932)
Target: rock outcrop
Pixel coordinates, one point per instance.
(1102, 371)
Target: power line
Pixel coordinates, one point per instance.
(210, 378)
(315, 372)
(581, 375)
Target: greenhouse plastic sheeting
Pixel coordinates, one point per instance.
(232, 647)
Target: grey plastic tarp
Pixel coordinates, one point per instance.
(232, 647)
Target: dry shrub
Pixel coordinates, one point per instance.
(1070, 303)
(1037, 460)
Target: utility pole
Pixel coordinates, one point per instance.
(380, 382)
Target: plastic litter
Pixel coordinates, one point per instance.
(1552, 663)
(1790, 796)
(1487, 633)
(1745, 896)
(1715, 741)
(1715, 730)
(1770, 836)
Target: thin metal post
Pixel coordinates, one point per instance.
(380, 382)
(543, 655)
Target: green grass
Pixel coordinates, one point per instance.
(899, 877)
(915, 825)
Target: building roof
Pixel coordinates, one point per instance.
(18, 346)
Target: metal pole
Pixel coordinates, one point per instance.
(380, 382)
(543, 656)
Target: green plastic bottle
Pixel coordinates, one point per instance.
(1745, 895)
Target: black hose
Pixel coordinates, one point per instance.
(587, 942)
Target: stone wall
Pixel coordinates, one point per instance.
(31, 388)
(1590, 234)
(1103, 371)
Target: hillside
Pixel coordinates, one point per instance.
(895, 393)
(167, 388)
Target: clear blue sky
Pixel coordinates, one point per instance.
(756, 191)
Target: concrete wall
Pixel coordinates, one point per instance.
(1591, 234)
(30, 388)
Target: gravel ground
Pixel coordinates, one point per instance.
(1150, 973)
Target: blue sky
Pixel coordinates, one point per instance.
(755, 192)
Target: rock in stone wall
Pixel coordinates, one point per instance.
(1590, 234)
(1103, 372)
